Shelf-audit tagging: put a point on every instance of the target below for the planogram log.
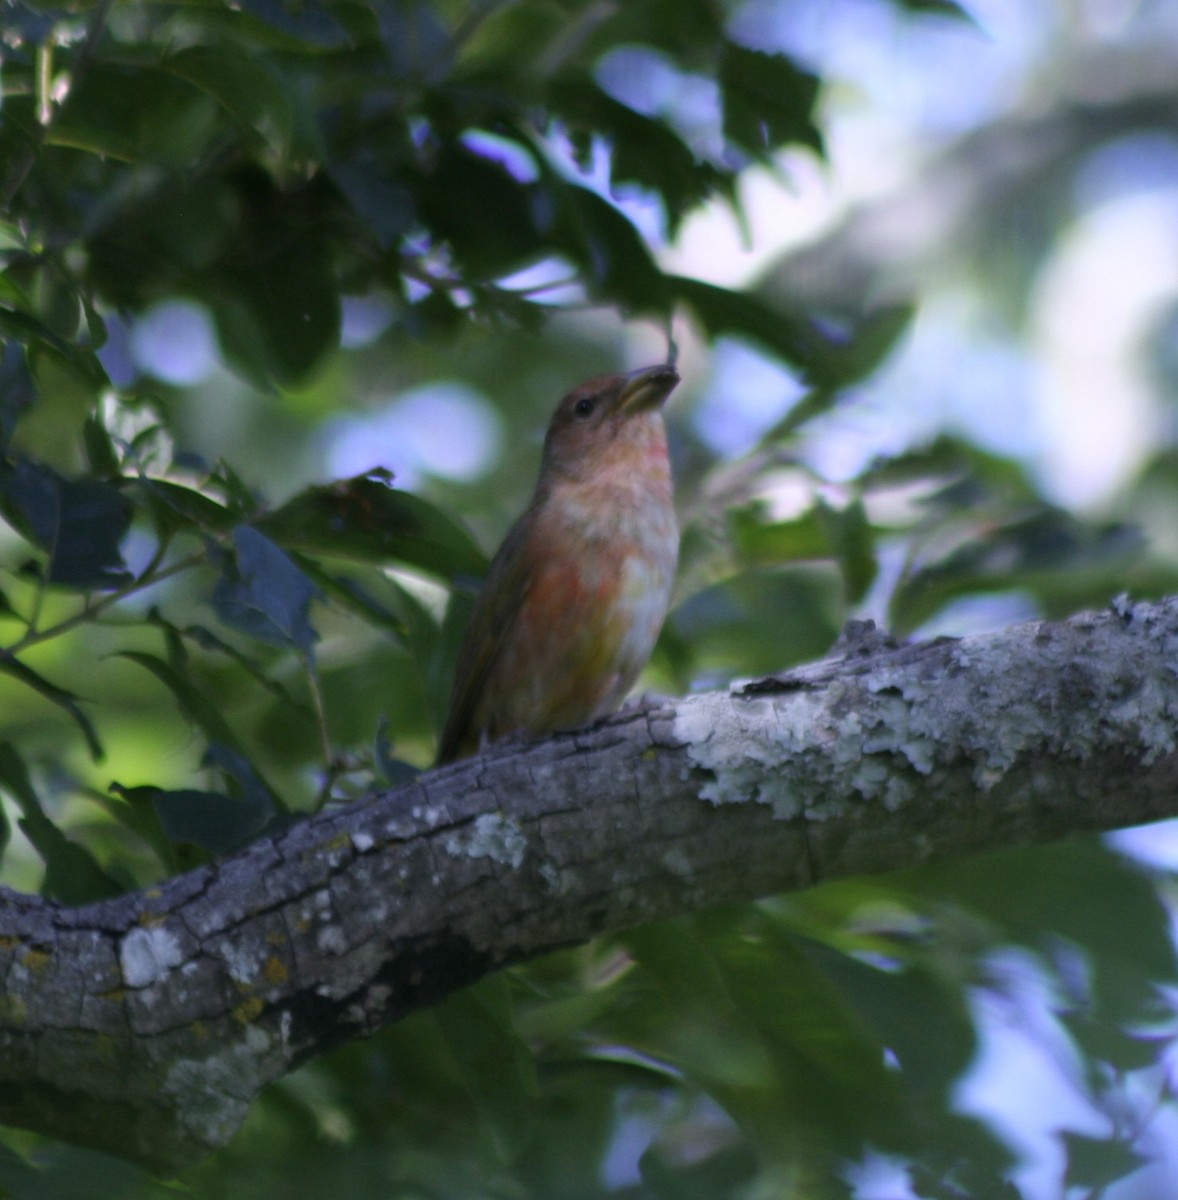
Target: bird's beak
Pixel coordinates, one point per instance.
(645, 389)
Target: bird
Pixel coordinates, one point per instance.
(577, 593)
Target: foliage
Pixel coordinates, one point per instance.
(235, 659)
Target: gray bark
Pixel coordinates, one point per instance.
(146, 1024)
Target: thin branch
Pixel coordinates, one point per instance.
(213, 984)
(89, 611)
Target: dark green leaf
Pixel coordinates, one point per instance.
(37, 336)
(262, 592)
(646, 152)
(609, 250)
(771, 543)
(18, 1178)
(244, 87)
(415, 38)
(354, 596)
(822, 532)
(183, 509)
(494, 1063)
(858, 345)
(207, 640)
(919, 1016)
(853, 544)
(1048, 552)
(5, 834)
(762, 620)
(1078, 890)
(273, 292)
(1098, 1162)
(203, 712)
(213, 821)
(64, 700)
(780, 1050)
(18, 391)
(135, 808)
(383, 204)
(364, 518)
(768, 101)
(238, 494)
(71, 873)
(309, 21)
(721, 311)
(393, 771)
(488, 217)
(100, 450)
(1105, 1045)
(945, 8)
(243, 781)
(137, 113)
(78, 523)
(729, 1172)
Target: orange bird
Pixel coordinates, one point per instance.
(576, 595)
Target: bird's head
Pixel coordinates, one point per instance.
(612, 419)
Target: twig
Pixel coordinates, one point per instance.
(34, 637)
(321, 724)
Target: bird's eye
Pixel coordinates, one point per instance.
(583, 407)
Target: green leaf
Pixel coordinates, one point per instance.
(71, 873)
(134, 807)
(309, 21)
(771, 543)
(354, 596)
(1079, 890)
(720, 311)
(768, 101)
(78, 523)
(494, 1063)
(243, 85)
(364, 518)
(224, 751)
(416, 40)
(646, 152)
(916, 1013)
(391, 770)
(244, 782)
(755, 1024)
(18, 390)
(37, 336)
(273, 292)
(66, 701)
(1062, 561)
(384, 204)
(762, 619)
(100, 450)
(137, 113)
(611, 253)
(11, 294)
(1096, 1163)
(262, 593)
(176, 508)
(945, 8)
(211, 820)
(203, 712)
(206, 639)
(487, 216)
(851, 539)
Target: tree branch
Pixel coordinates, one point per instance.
(146, 1024)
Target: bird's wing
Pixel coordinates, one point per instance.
(502, 596)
